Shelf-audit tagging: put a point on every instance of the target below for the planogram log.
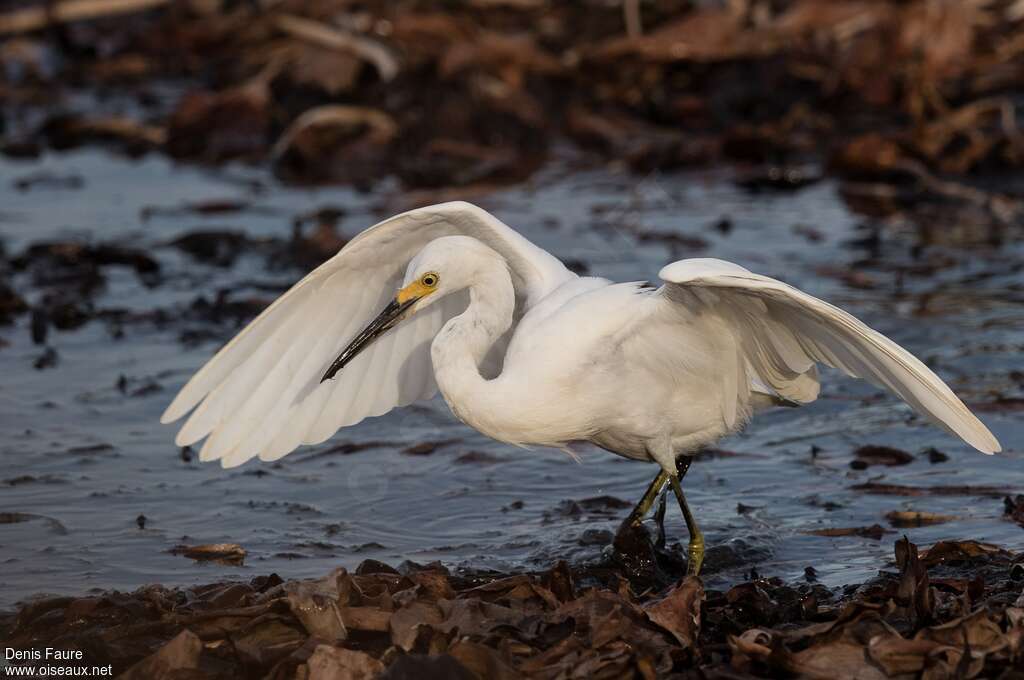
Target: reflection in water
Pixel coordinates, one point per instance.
(83, 454)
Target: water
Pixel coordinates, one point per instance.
(82, 459)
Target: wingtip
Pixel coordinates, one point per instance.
(169, 415)
(178, 407)
(988, 444)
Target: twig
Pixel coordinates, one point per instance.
(35, 18)
(330, 37)
(631, 15)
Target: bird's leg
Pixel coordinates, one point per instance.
(659, 521)
(644, 506)
(695, 551)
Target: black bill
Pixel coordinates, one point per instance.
(385, 321)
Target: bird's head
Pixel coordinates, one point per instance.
(444, 266)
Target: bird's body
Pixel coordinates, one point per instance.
(529, 353)
(600, 362)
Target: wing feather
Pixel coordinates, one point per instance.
(788, 330)
(261, 395)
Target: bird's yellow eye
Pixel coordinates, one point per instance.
(429, 279)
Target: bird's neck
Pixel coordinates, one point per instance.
(460, 346)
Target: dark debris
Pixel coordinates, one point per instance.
(951, 611)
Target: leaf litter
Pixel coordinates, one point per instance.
(954, 610)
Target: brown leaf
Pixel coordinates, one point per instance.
(29, 19)
(433, 583)
(332, 663)
(221, 553)
(751, 598)
(679, 611)
(898, 655)
(334, 143)
(405, 623)
(471, 616)
(960, 551)
(70, 131)
(298, 64)
(266, 640)
(911, 518)
(839, 660)
(483, 661)
(366, 618)
(914, 589)
(978, 630)
(316, 605)
(498, 588)
(707, 35)
(329, 37)
(875, 531)
(558, 579)
(180, 654)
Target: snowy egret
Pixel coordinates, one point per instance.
(529, 353)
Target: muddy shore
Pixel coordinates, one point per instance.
(881, 142)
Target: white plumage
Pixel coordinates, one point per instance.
(528, 353)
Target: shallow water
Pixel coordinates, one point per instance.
(83, 458)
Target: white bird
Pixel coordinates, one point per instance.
(529, 353)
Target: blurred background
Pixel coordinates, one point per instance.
(168, 167)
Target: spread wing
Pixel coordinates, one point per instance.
(786, 331)
(261, 395)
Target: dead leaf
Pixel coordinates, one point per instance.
(914, 590)
(482, 661)
(897, 655)
(317, 606)
(903, 519)
(330, 37)
(332, 663)
(838, 660)
(173, 659)
(709, 35)
(958, 551)
(266, 640)
(978, 630)
(679, 611)
(68, 131)
(875, 531)
(34, 18)
(334, 143)
(221, 553)
(405, 623)
(559, 581)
